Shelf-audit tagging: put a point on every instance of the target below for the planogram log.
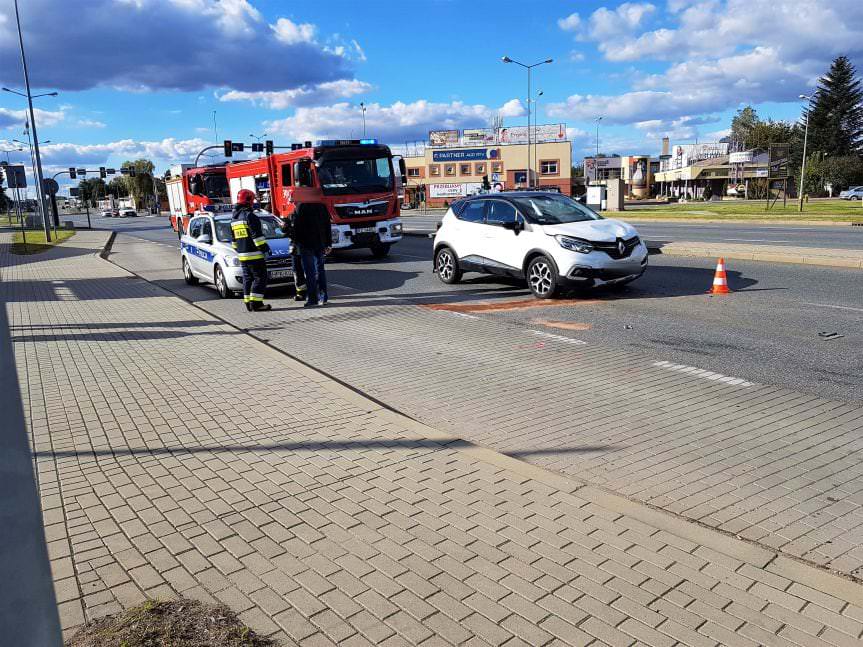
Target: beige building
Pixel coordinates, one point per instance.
(445, 174)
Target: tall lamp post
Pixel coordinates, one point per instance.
(535, 126)
(808, 99)
(597, 120)
(507, 59)
(36, 155)
(363, 108)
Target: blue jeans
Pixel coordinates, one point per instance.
(316, 274)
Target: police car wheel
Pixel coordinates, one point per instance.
(222, 284)
(187, 274)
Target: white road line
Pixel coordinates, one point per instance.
(826, 305)
(463, 315)
(755, 240)
(567, 340)
(700, 372)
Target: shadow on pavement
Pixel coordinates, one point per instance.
(28, 609)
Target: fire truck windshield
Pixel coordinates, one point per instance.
(343, 176)
(216, 186)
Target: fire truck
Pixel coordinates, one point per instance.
(358, 181)
(191, 189)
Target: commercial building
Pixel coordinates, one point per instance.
(454, 163)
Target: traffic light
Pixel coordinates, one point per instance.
(268, 145)
(102, 172)
(485, 183)
(229, 148)
(73, 174)
(258, 148)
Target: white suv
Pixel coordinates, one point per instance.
(546, 238)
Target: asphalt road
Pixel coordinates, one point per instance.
(833, 237)
(766, 332)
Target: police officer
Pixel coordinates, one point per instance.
(252, 249)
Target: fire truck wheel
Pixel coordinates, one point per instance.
(190, 278)
(380, 250)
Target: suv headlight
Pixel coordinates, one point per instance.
(574, 244)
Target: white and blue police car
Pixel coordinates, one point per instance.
(208, 256)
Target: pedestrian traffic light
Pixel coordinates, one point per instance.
(485, 183)
(73, 174)
(102, 172)
(229, 147)
(268, 144)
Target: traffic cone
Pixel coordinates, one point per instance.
(720, 280)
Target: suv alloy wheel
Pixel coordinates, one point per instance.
(542, 278)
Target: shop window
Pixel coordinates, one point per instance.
(413, 172)
(479, 168)
(464, 169)
(449, 169)
(434, 170)
(496, 167)
(549, 167)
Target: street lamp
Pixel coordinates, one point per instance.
(258, 137)
(363, 108)
(597, 120)
(808, 99)
(535, 126)
(29, 96)
(507, 59)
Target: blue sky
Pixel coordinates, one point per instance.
(143, 77)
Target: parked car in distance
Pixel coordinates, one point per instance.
(545, 238)
(852, 193)
(109, 213)
(128, 213)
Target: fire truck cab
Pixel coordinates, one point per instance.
(192, 189)
(358, 181)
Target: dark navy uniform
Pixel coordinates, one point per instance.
(252, 248)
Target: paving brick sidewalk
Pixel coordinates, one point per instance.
(175, 454)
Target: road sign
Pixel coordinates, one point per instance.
(258, 148)
(82, 171)
(238, 147)
(16, 178)
(111, 171)
(50, 186)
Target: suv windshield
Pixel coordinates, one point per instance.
(342, 176)
(216, 186)
(270, 227)
(553, 209)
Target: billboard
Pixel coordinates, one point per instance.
(455, 189)
(443, 138)
(638, 173)
(777, 160)
(684, 155)
(15, 176)
(542, 133)
(460, 155)
(478, 136)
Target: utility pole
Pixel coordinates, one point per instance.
(507, 59)
(37, 156)
(808, 99)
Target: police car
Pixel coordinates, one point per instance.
(208, 257)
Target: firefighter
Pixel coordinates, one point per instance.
(252, 249)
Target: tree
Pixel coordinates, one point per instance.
(836, 113)
(140, 187)
(841, 172)
(117, 187)
(92, 189)
(742, 124)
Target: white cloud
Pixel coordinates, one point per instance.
(321, 93)
(90, 123)
(512, 108)
(570, 23)
(145, 45)
(166, 150)
(395, 123)
(605, 23)
(17, 118)
(576, 56)
(292, 33)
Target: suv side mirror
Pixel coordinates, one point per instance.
(514, 226)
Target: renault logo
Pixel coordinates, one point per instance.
(621, 248)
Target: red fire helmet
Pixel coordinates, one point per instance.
(246, 196)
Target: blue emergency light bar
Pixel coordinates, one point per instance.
(346, 142)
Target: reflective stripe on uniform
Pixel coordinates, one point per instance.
(240, 229)
(246, 298)
(250, 256)
(256, 297)
(260, 241)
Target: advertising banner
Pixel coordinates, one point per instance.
(451, 190)
(460, 156)
(443, 138)
(478, 137)
(15, 176)
(541, 133)
(638, 173)
(777, 157)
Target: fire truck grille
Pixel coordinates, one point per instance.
(361, 211)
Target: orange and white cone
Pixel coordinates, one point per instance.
(720, 280)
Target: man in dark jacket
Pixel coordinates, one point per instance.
(314, 236)
(299, 274)
(252, 249)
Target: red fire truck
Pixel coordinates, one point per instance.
(192, 189)
(359, 182)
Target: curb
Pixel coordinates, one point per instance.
(758, 556)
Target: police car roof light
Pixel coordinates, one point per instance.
(368, 141)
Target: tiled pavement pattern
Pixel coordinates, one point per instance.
(176, 455)
(766, 463)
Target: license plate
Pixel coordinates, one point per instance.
(281, 274)
(365, 230)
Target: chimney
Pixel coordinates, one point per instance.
(665, 146)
